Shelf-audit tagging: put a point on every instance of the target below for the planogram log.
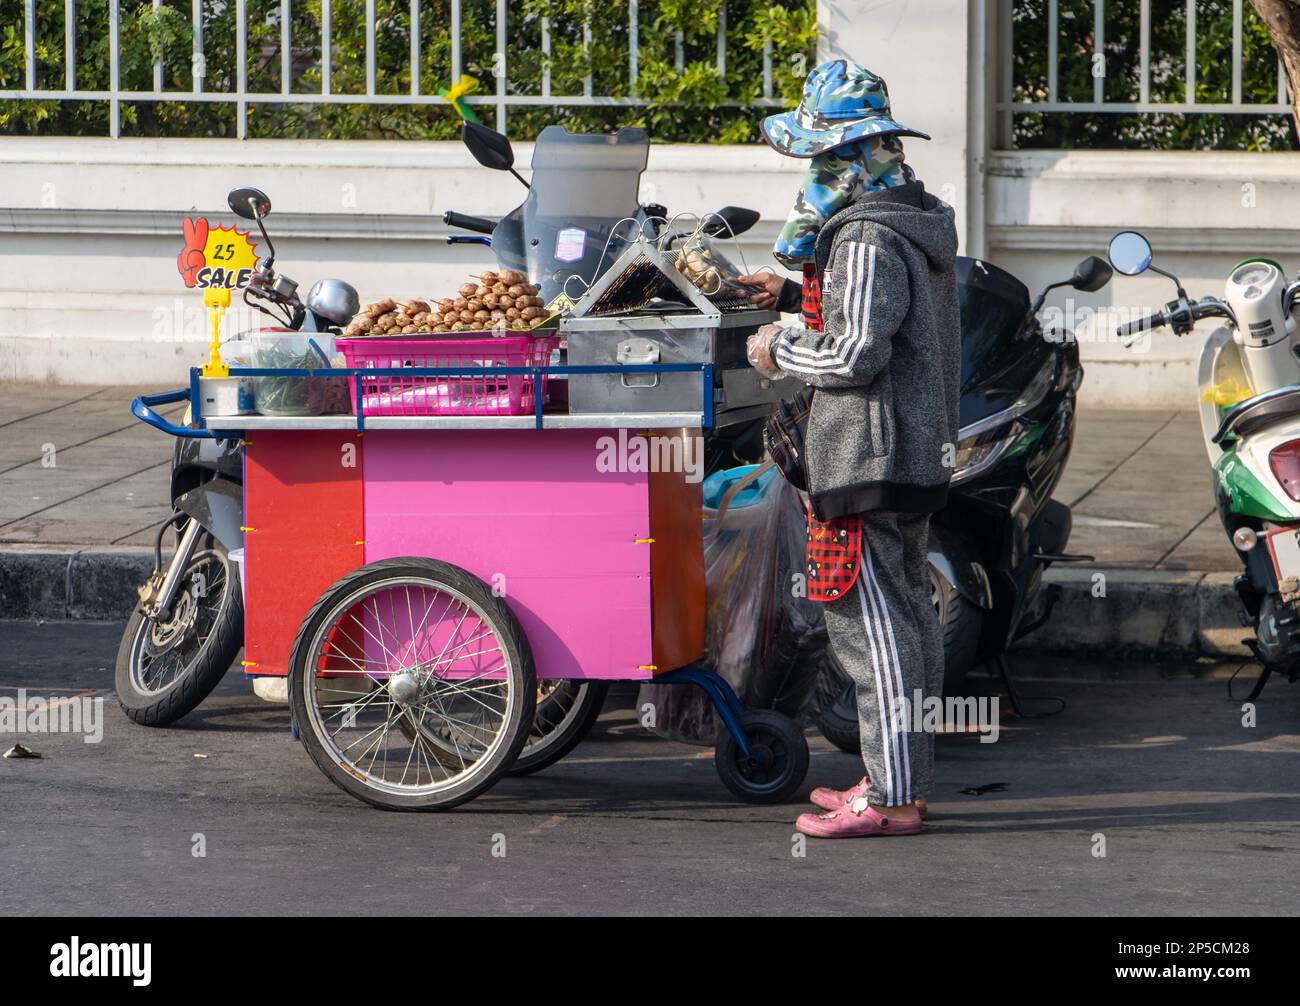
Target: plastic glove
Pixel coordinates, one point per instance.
(759, 351)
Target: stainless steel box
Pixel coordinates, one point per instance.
(666, 338)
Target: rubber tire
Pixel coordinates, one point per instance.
(202, 676)
(837, 705)
(777, 732)
(512, 638)
(591, 702)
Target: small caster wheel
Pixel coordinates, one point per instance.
(777, 763)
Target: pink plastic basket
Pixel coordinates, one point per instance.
(479, 394)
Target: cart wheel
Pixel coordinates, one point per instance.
(566, 712)
(778, 762)
(424, 642)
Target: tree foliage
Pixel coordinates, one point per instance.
(1168, 77)
(693, 104)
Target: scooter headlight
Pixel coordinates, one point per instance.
(977, 454)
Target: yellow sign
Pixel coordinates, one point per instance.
(216, 257)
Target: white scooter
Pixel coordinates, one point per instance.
(1249, 379)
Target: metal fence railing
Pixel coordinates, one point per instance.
(1049, 99)
(241, 97)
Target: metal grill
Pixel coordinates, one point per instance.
(643, 274)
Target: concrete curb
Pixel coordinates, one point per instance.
(92, 585)
(1142, 610)
(1100, 610)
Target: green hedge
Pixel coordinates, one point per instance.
(1168, 61)
(683, 106)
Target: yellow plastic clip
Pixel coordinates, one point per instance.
(648, 667)
(643, 541)
(247, 528)
(359, 541)
(248, 663)
(216, 299)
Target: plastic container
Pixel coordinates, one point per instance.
(293, 395)
(470, 394)
(227, 396)
(237, 558)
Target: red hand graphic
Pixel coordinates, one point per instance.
(192, 258)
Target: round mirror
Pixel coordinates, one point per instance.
(1129, 253)
(249, 203)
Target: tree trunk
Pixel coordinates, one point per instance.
(1283, 20)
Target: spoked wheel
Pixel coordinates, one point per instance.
(777, 761)
(566, 712)
(412, 686)
(167, 666)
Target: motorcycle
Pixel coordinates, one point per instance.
(187, 626)
(1249, 379)
(1000, 529)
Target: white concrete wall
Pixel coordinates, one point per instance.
(1202, 211)
(90, 230)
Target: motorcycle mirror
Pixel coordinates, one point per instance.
(730, 220)
(1129, 253)
(490, 148)
(1091, 275)
(251, 204)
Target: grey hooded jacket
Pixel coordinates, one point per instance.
(882, 434)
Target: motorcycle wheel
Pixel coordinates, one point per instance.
(837, 704)
(165, 669)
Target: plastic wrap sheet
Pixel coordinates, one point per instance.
(764, 637)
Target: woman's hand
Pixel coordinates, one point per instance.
(758, 350)
(766, 288)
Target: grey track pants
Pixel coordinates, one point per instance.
(886, 635)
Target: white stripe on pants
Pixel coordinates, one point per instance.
(881, 636)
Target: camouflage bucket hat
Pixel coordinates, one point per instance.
(842, 103)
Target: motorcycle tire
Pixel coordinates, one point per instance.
(152, 703)
(837, 705)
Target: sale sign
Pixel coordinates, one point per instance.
(216, 257)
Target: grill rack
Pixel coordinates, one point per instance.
(643, 273)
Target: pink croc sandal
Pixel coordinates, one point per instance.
(855, 820)
(833, 799)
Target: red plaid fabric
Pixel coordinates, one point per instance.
(811, 308)
(834, 555)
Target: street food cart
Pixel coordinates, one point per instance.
(489, 513)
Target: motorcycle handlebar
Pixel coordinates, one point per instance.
(1146, 324)
(469, 223)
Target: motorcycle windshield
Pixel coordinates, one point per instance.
(583, 185)
(1000, 352)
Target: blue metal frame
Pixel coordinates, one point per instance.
(142, 409)
(142, 406)
(724, 698)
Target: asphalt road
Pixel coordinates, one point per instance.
(1199, 815)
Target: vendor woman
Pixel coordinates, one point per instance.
(880, 349)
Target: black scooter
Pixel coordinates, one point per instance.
(1001, 529)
